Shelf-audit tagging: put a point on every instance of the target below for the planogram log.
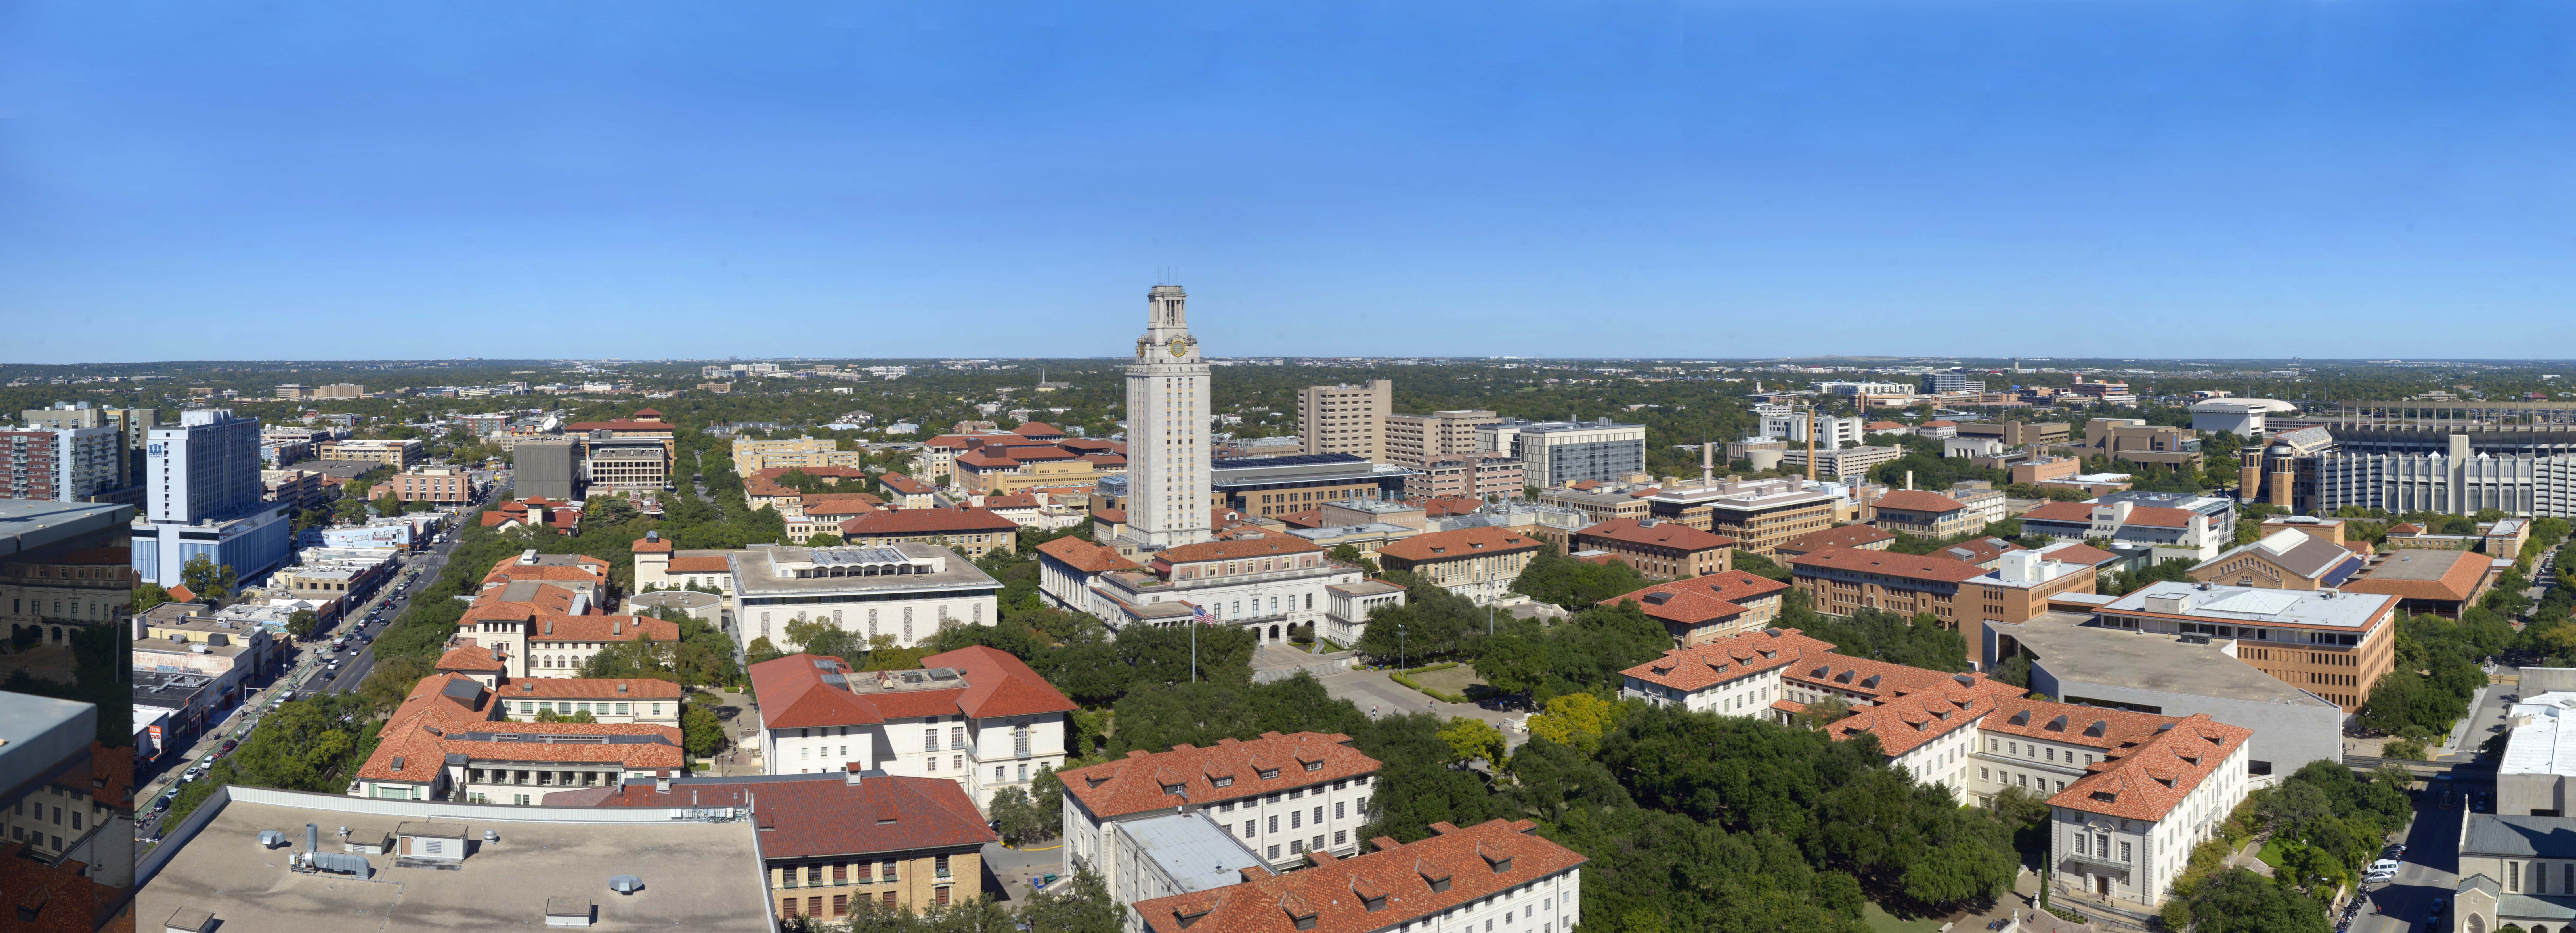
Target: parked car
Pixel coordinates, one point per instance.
(161, 804)
(229, 745)
(2386, 864)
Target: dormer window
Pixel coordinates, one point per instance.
(1269, 773)
(1227, 781)
(1173, 788)
(1314, 766)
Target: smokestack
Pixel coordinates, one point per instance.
(1909, 480)
(1707, 462)
(1811, 443)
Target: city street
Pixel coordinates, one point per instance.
(2431, 860)
(305, 662)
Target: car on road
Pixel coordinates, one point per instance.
(229, 745)
(161, 804)
(329, 675)
(2386, 864)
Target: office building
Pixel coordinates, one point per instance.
(752, 455)
(835, 843)
(442, 484)
(1659, 549)
(1831, 431)
(61, 464)
(1924, 514)
(1282, 796)
(1759, 514)
(1841, 464)
(1846, 388)
(2333, 644)
(1845, 580)
(1475, 476)
(975, 716)
(2019, 434)
(547, 469)
(2080, 659)
(972, 531)
(2431, 582)
(2136, 441)
(1416, 440)
(1173, 854)
(1166, 498)
(2172, 526)
(625, 464)
(1274, 486)
(1936, 383)
(905, 591)
(1558, 453)
(399, 453)
(203, 497)
(1477, 563)
(1345, 419)
(1267, 585)
(2243, 417)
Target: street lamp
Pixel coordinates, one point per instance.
(1399, 646)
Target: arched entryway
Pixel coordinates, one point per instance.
(1274, 633)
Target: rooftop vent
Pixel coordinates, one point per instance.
(270, 838)
(571, 911)
(626, 884)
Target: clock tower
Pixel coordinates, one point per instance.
(1167, 427)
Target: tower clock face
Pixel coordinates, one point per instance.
(1178, 349)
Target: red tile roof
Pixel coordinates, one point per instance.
(1141, 781)
(1034, 429)
(59, 897)
(700, 563)
(999, 684)
(794, 695)
(2074, 512)
(905, 484)
(663, 426)
(181, 594)
(856, 503)
(894, 522)
(1851, 536)
(2146, 781)
(1876, 426)
(1086, 556)
(1445, 506)
(820, 816)
(601, 628)
(1978, 551)
(1916, 500)
(1699, 666)
(1673, 535)
(432, 722)
(1702, 599)
(2078, 553)
(605, 688)
(2459, 576)
(2156, 517)
(643, 546)
(1478, 862)
(1270, 546)
(470, 657)
(1909, 566)
(1305, 518)
(1459, 544)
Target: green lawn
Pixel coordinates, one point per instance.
(1880, 921)
(1455, 680)
(2271, 853)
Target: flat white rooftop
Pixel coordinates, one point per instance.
(2540, 742)
(2252, 604)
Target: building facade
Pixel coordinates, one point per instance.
(1416, 440)
(1668, 550)
(1167, 427)
(1845, 580)
(1556, 453)
(1345, 419)
(396, 453)
(975, 716)
(1280, 795)
(1477, 563)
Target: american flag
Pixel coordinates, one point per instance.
(1200, 615)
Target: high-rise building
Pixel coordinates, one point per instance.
(62, 464)
(1417, 440)
(1938, 382)
(546, 470)
(1167, 421)
(130, 423)
(1345, 419)
(203, 497)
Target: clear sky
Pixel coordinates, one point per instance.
(263, 180)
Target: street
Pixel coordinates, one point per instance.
(306, 662)
(2431, 860)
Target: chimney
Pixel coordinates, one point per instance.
(1909, 480)
(616, 626)
(662, 781)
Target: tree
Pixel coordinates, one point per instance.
(392, 681)
(1350, 554)
(1577, 721)
(549, 715)
(350, 510)
(826, 539)
(701, 731)
(1471, 739)
(1080, 906)
(1576, 584)
(148, 595)
(1046, 792)
(1016, 817)
(209, 580)
(1820, 714)
(301, 623)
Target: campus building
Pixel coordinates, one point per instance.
(975, 716)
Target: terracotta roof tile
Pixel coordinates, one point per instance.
(700, 563)
(1333, 896)
(2076, 513)
(601, 628)
(1850, 536)
(1270, 546)
(1673, 535)
(1459, 544)
(1916, 500)
(823, 815)
(1142, 781)
(2460, 574)
(2146, 781)
(1086, 556)
(600, 688)
(1699, 666)
(1909, 566)
(1702, 599)
(904, 522)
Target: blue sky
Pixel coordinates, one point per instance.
(262, 180)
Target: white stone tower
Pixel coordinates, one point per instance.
(1167, 426)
